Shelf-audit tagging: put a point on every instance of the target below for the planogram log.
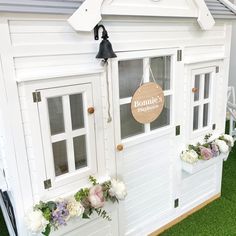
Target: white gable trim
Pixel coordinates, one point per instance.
(90, 13)
(205, 19)
(229, 5)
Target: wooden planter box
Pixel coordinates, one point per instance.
(201, 164)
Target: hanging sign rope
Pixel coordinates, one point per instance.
(147, 102)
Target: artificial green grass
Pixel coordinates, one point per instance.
(3, 228)
(219, 217)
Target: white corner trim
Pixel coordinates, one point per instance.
(205, 19)
(87, 16)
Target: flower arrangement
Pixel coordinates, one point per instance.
(208, 150)
(46, 216)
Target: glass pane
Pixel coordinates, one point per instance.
(164, 118)
(56, 117)
(80, 151)
(207, 86)
(161, 68)
(205, 114)
(77, 111)
(129, 126)
(130, 76)
(60, 157)
(197, 86)
(195, 117)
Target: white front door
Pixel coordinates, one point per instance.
(146, 161)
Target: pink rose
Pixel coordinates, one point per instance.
(206, 153)
(96, 197)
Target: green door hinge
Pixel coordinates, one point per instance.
(176, 203)
(177, 130)
(47, 183)
(36, 96)
(179, 55)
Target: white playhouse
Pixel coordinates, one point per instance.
(158, 85)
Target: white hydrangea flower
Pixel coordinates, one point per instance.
(229, 139)
(224, 148)
(75, 208)
(35, 221)
(189, 156)
(118, 189)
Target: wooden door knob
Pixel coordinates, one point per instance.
(91, 110)
(120, 147)
(194, 90)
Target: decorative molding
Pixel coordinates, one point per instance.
(87, 16)
(205, 19)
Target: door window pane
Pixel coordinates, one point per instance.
(77, 111)
(205, 114)
(161, 70)
(197, 87)
(56, 117)
(195, 117)
(130, 76)
(206, 85)
(80, 151)
(164, 118)
(60, 158)
(129, 126)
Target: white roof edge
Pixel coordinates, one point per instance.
(67, 7)
(39, 6)
(230, 5)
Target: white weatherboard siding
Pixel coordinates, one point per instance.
(44, 49)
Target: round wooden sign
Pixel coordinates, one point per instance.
(147, 103)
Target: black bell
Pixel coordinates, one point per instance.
(105, 48)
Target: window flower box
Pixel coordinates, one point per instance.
(202, 164)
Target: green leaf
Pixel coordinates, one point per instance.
(47, 214)
(81, 195)
(85, 216)
(93, 180)
(52, 205)
(47, 230)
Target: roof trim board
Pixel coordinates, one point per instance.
(218, 8)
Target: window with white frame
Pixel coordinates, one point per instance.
(71, 134)
(68, 133)
(131, 73)
(201, 99)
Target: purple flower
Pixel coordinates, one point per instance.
(60, 215)
(206, 153)
(215, 150)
